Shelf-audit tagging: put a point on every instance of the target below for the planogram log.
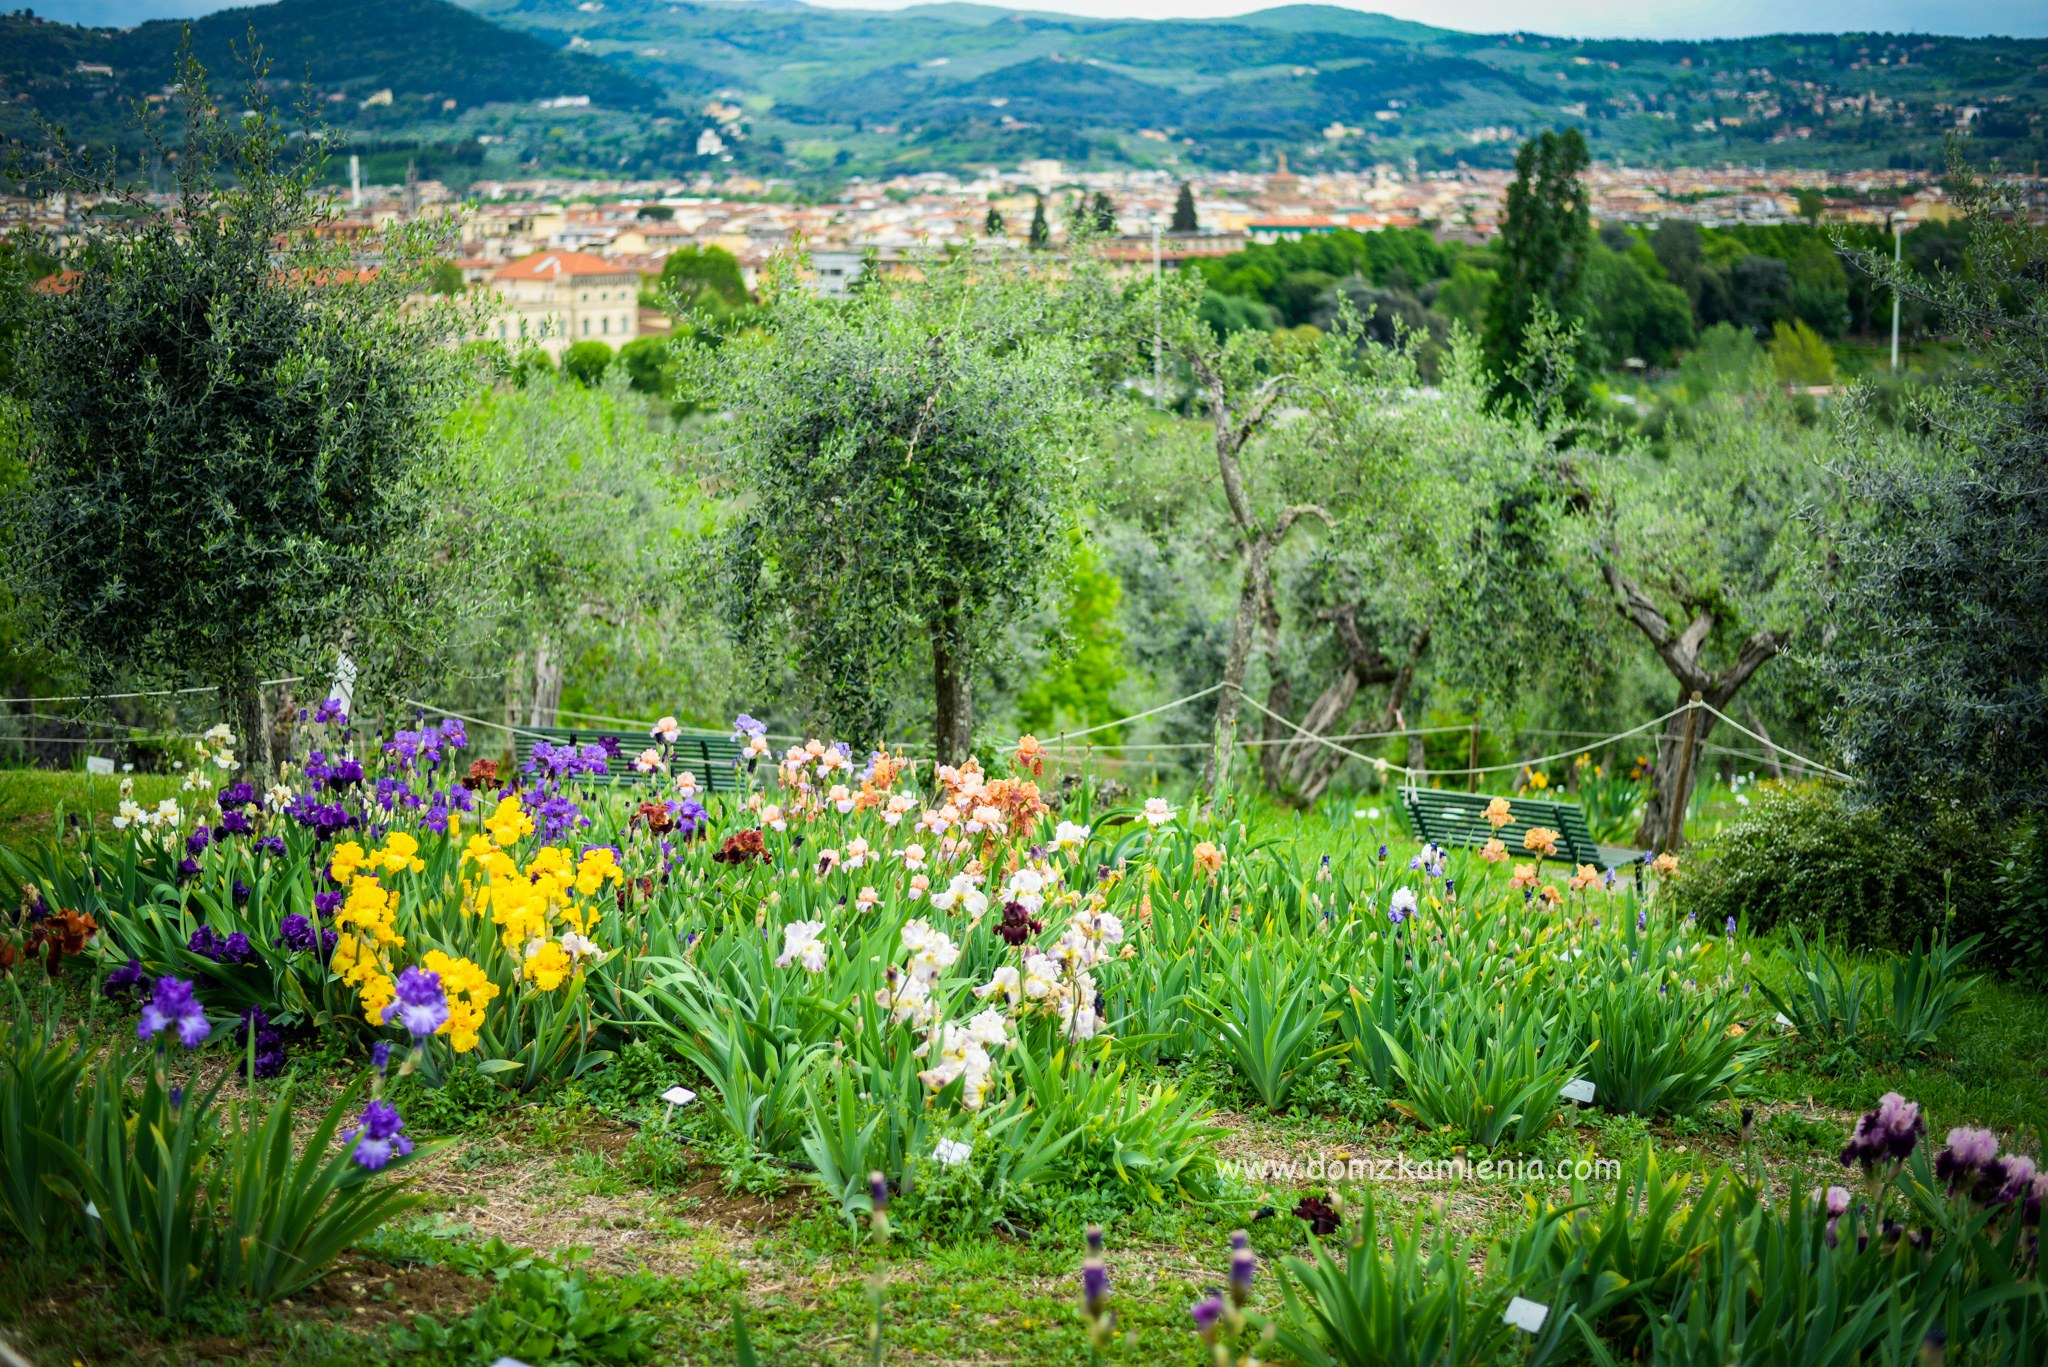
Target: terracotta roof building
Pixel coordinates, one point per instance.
(555, 299)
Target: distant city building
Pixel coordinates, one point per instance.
(555, 299)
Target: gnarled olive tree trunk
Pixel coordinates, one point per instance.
(1680, 651)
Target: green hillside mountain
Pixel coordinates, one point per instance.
(950, 84)
(438, 63)
(811, 93)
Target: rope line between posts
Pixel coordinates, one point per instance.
(1407, 772)
(152, 693)
(1826, 770)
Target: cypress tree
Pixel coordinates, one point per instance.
(1184, 211)
(1545, 238)
(992, 225)
(1041, 232)
(1104, 214)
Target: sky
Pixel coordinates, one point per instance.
(1569, 18)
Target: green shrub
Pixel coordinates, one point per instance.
(1801, 857)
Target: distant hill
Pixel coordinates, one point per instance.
(821, 93)
(959, 84)
(426, 53)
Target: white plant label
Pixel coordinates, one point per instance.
(1784, 1020)
(344, 689)
(1579, 1090)
(1526, 1315)
(98, 764)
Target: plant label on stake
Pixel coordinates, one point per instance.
(344, 687)
(1526, 1315)
(1578, 1089)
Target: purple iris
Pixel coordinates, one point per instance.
(271, 844)
(269, 1055)
(188, 868)
(556, 816)
(745, 728)
(1892, 1131)
(1205, 1313)
(331, 713)
(691, 818)
(196, 843)
(325, 904)
(222, 949)
(1243, 1265)
(295, 932)
(380, 1056)
(237, 796)
(378, 1140)
(422, 1005)
(172, 1004)
(126, 979)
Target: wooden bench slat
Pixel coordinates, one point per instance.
(1443, 817)
(712, 759)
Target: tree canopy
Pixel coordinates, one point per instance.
(226, 422)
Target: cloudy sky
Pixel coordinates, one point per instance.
(1587, 18)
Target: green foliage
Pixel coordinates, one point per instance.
(1801, 857)
(228, 425)
(1485, 1069)
(41, 1120)
(1076, 689)
(921, 433)
(1727, 360)
(691, 273)
(1417, 1302)
(1546, 236)
(1655, 1045)
(290, 1216)
(1269, 1015)
(157, 1185)
(1943, 666)
(541, 1313)
(586, 362)
(1800, 356)
(1632, 312)
(645, 360)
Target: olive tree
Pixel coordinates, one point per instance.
(1701, 552)
(224, 422)
(1943, 660)
(904, 460)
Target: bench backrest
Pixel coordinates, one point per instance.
(1443, 817)
(710, 758)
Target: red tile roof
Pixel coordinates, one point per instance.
(558, 266)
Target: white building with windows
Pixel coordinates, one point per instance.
(555, 299)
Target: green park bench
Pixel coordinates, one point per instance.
(1447, 818)
(713, 759)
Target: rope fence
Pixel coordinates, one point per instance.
(1146, 754)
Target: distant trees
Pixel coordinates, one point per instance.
(704, 276)
(227, 423)
(992, 223)
(1102, 213)
(1040, 236)
(1943, 665)
(1184, 220)
(1546, 235)
(586, 362)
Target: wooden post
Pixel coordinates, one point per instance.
(1472, 760)
(1674, 820)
